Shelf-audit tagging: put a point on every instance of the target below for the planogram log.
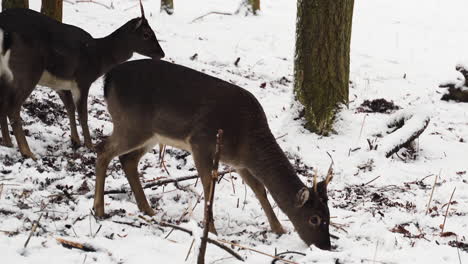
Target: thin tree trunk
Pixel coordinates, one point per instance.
(321, 70)
(14, 4)
(167, 6)
(52, 8)
(249, 7)
(254, 6)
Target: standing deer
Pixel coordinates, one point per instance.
(66, 59)
(156, 102)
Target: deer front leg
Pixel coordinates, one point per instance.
(67, 99)
(130, 166)
(6, 139)
(83, 117)
(16, 124)
(259, 189)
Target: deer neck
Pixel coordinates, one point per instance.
(112, 50)
(271, 166)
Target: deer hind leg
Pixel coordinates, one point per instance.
(6, 139)
(16, 124)
(203, 157)
(130, 166)
(115, 145)
(259, 189)
(67, 99)
(83, 117)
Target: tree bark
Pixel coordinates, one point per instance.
(321, 67)
(249, 7)
(14, 4)
(254, 6)
(53, 9)
(167, 6)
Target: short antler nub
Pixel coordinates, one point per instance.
(315, 181)
(329, 174)
(142, 10)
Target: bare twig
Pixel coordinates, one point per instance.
(371, 181)
(211, 13)
(432, 192)
(163, 182)
(71, 244)
(33, 229)
(446, 212)
(256, 251)
(214, 242)
(97, 3)
(190, 249)
(208, 218)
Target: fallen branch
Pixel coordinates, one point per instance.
(256, 251)
(208, 218)
(97, 3)
(211, 13)
(80, 246)
(176, 227)
(163, 182)
(457, 91)
(408, 127)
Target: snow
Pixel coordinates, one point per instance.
(401, 51)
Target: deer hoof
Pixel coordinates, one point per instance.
(6, 144)
(29, 155)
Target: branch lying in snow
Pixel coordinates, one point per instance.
(70, 244)
(457, 91)
(211, 13)
(214, 242)
(164, 182)
(408, 126)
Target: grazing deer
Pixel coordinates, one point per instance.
(66, 59)
(157, 102)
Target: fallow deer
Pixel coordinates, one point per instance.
(67, 59)
(157, 102)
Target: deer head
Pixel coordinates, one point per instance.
(143, 39)
(311, 215)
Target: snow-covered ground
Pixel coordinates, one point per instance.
(401, 51)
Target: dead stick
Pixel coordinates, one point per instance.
(208, 218)
(176, 227)
(448, 206)
(164, 182)
(33, 229)
(257, 251)
(369, 182)
(432, 193)
(211, 13)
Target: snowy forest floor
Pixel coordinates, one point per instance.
(401, 51)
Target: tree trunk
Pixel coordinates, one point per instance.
(14, 4)
(167, 6)
(249, 7)
(254, 6)
(52, 8)
(321, 67)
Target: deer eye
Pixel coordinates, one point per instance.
(315, 220)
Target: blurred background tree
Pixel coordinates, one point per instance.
(53, 8)
(321, 66)
(167, 6)
(14, 4)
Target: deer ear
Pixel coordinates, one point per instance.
(302, 196)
